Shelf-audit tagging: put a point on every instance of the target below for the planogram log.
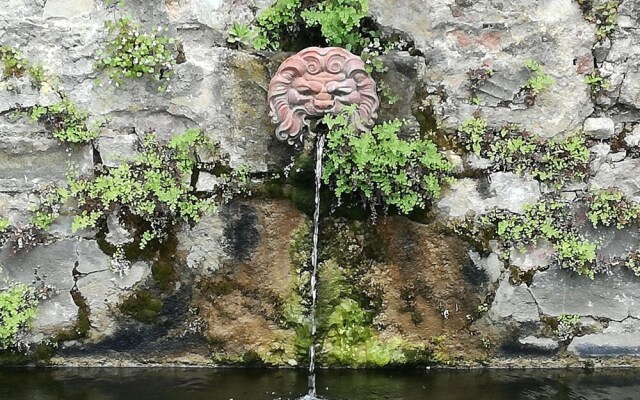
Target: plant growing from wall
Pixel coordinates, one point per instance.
(277, 22)
(65, 121)
(339, 21)
(155, 187)
(380, 166)
(50, 199)
(538, 81)
(611, 207)
(18, 308)
(554, 161)
(596, 82)
(13, 62)
(605, 16)
(549, 219)
(568, 326)
(241, 36)
(131, 52)
(4, 225)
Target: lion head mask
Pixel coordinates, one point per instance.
(319, 81)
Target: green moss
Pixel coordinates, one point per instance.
(163, 269)
(142, 306)
(303, 199)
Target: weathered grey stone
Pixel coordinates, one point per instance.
(618, 156)
(114, 150)
(633, 138)
(491, 264)
(622, 175)
(538, 344)
(207, 182)
(56, 261)
(67, 8)
(615, 296)
(513, 304)
(204, 244)
(117, 234)
(533, 256)
(599, 128)
(216, 14)
(600, 153)
(503, 86)
(606, 345)
(462, 197)
(513, 192)
(456, 38)
(612, 242)
(478, 163)
(506, 190)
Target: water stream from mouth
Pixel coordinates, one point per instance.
(314, 266)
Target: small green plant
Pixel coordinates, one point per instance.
(387, 93)
(632, 261)
(382, 167)
(5, 224)
(577, 254)
(65, 120)
(554, 161)
(596, 82)
(36, 74)
(339, 21)
(568, 326)
(50, 198)
(18, 308)
(610, 206)
(605, 16)
(132, 53)
(155, 187)
(538, 81)
(550, 220)
(241, 36)
(13, 62)
(472, 132)
(276, 23)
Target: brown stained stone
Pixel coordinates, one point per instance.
(316, 82)
(436, 268)
(242, 302)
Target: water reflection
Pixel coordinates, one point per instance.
(249, 384)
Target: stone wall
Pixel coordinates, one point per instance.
(224, 289)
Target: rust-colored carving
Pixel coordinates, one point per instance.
(319, 81)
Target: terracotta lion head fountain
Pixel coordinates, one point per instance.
(319, 81)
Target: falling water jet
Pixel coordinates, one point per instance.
(313, 83)
(314, 265)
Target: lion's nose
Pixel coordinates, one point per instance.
(323, 104)
(323, 100)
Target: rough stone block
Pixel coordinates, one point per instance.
(614, 296)
(599, 128)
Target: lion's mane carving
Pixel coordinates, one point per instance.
(319, 81)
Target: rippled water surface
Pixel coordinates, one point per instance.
(248, 384)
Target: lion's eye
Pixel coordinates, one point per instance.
(341, 91)
(305, 91)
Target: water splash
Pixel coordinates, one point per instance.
(314, 265)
